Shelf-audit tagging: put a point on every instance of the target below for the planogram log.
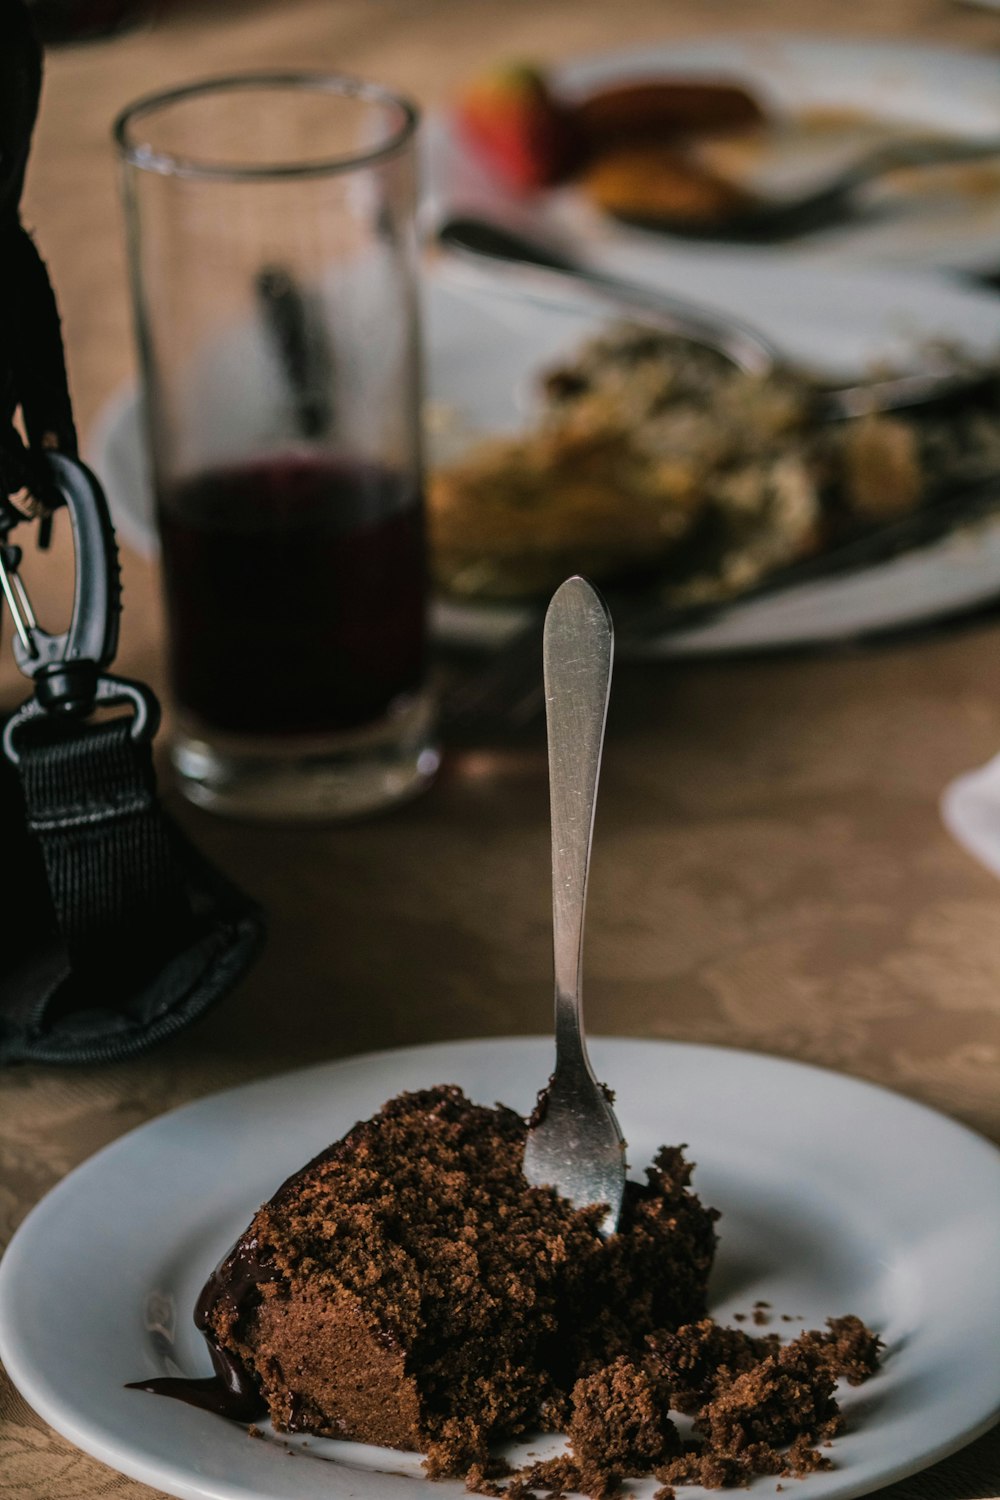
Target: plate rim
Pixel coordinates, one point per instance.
(764, 37)
(918, 53)
(106, 1445)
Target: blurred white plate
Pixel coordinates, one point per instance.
(484, 344)
(951, 221)
(836, 1197)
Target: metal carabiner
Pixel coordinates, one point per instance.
(68, 670)
(65, 667)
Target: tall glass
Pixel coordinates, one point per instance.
(272, 252)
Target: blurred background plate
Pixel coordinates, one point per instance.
(484, 347)
(853, 93)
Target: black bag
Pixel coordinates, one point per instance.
(116, 932)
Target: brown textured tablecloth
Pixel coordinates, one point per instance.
(770, 868)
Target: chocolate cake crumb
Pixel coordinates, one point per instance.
(481, 1479)
(557, 1476)
(762, 1303)
(803, 1459)
(697, 1356)
(760, 1317)
(761, 1410)
(713, 1471)
(619, 1422)
(555, 1412)
(785, 1399)
(784, 1395)
(850, 1351)
(254, 1431)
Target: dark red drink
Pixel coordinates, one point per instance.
(295, 590)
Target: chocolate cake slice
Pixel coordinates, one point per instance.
(409, 1288)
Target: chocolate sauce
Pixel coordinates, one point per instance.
(233, 1390)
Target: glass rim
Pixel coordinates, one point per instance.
(171, 164)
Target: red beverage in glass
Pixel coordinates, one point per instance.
(295, 595)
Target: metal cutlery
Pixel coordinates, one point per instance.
(574, 1141)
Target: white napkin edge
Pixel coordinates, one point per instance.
(970, 810)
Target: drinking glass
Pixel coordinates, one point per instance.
(270, 227)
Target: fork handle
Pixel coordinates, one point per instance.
(577, 649)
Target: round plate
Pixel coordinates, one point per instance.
(877, 88)
(836, 1197)
(840, 322)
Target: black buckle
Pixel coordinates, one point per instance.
(108, 690)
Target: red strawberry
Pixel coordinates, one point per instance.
(511, 120)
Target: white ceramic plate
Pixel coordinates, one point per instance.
(840, 322)
(893, 86)
(836, 1197)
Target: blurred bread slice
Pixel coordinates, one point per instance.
(647, 183)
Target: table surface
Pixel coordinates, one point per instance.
(770, 870)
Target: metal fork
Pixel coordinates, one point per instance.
(575, 1144)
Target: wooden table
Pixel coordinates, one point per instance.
(770, 871)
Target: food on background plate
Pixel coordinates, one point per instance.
(628, 144)
(512, 120)
(692, 155)
(650, 459)
(647, 182)
(664, 107)
(409, 1288)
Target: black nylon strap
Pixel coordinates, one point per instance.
(113, 878)
(117, 931)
